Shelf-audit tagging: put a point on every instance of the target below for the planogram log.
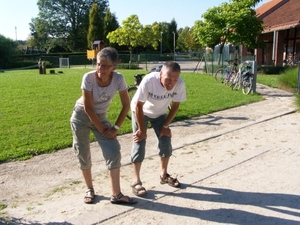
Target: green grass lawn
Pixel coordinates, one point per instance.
(35, 109)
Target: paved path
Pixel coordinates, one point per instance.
(237, 166)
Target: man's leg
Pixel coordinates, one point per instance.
(165, 177)
(136, 171)
(137, 156)
(114, 175)
(165, 152)
(137, 187)
(164, 161)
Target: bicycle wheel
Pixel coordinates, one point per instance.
(236, 82)
(131, 92)
(247, 85)
(220, 75)
(231, 79)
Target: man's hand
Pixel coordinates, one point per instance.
(165, 132)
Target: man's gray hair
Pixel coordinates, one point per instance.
(171, 65)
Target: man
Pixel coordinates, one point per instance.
(150, 103)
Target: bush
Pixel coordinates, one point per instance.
(289, 79)
(271, 69)
(131, 66)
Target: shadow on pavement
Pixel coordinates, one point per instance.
(228, 215)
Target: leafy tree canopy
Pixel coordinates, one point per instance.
(67, 20)
(8, 49)
(233, 22)
(133, 34)
(95, 31)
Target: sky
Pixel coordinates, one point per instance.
(16, 15)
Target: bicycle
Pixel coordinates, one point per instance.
(247, 83)
(227, 74)
(244, 78)
(132, 89)
(137, 80)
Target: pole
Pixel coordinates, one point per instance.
(254, 71)
(174, 44)
(161, 42)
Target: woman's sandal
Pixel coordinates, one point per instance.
(117, 200)
(138, 191)
(89, 197)
(167, 179)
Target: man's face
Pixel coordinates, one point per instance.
(168, 78)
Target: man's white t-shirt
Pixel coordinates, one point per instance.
(155, 96)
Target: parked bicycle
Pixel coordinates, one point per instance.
(244, 78)
(137, 80)
(132, 89)
(227, 74)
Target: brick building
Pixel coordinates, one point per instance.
(281, 35)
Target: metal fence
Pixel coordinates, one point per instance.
(215, 61)
(199, 62)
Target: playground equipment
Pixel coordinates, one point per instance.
(96, 47)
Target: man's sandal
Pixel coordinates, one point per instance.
(89, 197)
(167, 179)
(117, 200)
(138, 191)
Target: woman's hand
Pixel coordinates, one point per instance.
(110, 132)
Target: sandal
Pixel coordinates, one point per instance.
(89, 197)
(138, 191)
(117, 200)
(167, 179)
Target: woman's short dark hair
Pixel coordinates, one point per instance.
(110, 54)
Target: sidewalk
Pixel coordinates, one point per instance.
(237, 166)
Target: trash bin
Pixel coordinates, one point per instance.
(40, 66)
(44, 67)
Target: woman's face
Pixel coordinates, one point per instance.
(104, 67)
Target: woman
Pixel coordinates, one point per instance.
(98, 89)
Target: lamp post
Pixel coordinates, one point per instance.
(174, 44)
(161, 42)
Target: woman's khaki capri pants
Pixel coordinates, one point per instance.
(81, 127)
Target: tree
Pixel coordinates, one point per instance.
(150, 35)
(172, 29)
(8, 49)
(191, 43)
(163, 31)
(110, 24)
(132, 34)
(67, 20)
(186, 40)
(95, 31)
(233, 22)
(39, 33)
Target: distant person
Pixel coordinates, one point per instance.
(150, 103)
(89, 114)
